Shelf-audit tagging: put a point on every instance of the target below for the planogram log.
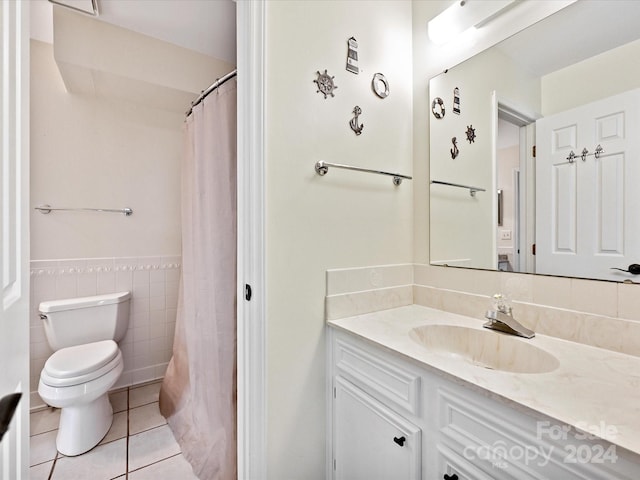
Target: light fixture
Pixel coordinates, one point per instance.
(464, 15)
(90, 7)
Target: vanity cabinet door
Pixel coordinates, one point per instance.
(372, 441)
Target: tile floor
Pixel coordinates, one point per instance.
(139, 446)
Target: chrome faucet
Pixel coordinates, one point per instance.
(501, 319)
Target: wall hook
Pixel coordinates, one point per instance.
(598, 151)
(354, 121)
(585, 152)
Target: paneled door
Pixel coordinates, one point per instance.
(14, 236)
(587, 206)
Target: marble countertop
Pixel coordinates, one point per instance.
(592, 389)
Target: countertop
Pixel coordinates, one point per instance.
(592, 388)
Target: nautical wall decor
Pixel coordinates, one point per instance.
(357, 129)
(380, 85)
(437, 108)
(454, 151)
(352, 56)
(325, 83)
(471, 134)
(456, 101)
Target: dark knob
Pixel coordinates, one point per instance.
(634, 269)
(450, 477)
(400, 441)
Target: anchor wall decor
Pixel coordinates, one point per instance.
(454, 151)
(354, 121)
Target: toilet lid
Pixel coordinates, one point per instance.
(81, 359)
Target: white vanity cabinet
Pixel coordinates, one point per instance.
(373, 441)
(394, 418)
(373, 404)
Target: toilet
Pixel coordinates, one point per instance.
(85, 364)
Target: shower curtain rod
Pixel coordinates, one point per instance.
(212, 87)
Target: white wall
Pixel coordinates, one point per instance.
(344, 219)
(94, 152)
(601, 76)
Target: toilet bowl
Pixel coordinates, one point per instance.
(77, 379)
(86, 363)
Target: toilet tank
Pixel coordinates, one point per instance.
(75, 321)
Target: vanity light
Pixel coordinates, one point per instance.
(89, 7)
(464, 15)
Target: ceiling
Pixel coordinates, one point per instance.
(578, 32)
(205, 26)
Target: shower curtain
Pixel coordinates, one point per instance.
(198, 394)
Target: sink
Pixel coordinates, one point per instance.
(484, 348)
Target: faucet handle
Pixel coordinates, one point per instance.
(501, 303)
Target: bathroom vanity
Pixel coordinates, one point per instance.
(418, 393)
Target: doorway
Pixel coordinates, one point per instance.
(515, 185)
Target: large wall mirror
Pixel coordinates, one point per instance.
(535, 149)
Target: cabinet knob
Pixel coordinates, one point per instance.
(400, 441)
(450, 477)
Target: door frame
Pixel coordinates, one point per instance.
(251, 314)
(14, 217)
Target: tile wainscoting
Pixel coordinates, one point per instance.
(153, 283)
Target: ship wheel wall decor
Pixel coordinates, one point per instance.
(325, 84)
(471, 134)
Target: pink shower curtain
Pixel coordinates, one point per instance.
(198, 395)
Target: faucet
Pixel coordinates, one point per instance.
(501, 319)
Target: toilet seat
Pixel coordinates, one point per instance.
(80, 364)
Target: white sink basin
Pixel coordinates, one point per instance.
(485, 348)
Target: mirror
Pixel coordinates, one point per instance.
(535, 149)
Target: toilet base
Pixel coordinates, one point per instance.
(83, 426)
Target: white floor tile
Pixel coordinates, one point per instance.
(40, 472)
(43, 447)
(103, 462)
(44, 421)
(118, 401)
(142, 395)
(118, 428)
(145, 418)
(151, 446)
(169, 469)
(137, 425)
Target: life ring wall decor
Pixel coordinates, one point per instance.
(437, 108)
(380, 85)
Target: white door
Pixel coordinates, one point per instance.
(372, 442)
(586, 209)
(14, 235)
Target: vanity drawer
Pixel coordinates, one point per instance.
(452, 466)
(379, 376)
(507, 444)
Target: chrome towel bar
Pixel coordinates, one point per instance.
(322, 168)
(472, 190)
(44, 209)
